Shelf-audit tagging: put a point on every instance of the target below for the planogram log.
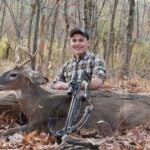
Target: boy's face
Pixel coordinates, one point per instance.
(79, 44)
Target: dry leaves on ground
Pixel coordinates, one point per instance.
(137, 138)
(131, 86)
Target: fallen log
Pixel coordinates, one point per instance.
(8, 99)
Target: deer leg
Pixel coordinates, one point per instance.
(24, 128)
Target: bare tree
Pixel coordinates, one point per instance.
(89, 14)
(110, 44)
(62, 55)
(33, 7)
(53, 28)
(137, 18)
(2, 21)
(128, 41)
(38, 5)
(95, 26)
(41, 45)
(14, 20)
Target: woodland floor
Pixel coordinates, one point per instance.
(137, 138)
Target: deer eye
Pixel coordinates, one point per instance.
(13, 76)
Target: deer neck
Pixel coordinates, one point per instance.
(30, 90)
(29, 97)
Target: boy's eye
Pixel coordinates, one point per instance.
(79, 40)
(74, 40)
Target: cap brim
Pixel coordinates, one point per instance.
(79, 31)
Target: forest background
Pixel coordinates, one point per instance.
(119, 32)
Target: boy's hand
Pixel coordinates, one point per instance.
(61, 86)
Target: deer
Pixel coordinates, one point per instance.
(38, 104)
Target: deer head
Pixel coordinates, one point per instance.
(20, 73)
(13, 79)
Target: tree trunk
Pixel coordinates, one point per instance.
(88, 14)
(53, 27)
(110, 45)
(8, 101)
(62, 54)
(41, 45)
(33, 7)
(2, 21)
(7, 51)
(36, 32)
(18, 34)
(128, 41)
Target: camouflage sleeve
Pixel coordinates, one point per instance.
(99, 69)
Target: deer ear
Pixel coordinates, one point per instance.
(39, 79)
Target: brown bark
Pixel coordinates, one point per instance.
(129, 41)
(110, 45)
(8, 101)
(88, 14)
(36, 30)
(2, 21)
(18, 34)
(33, 7)
(41, 45)
(62, 54)
(53, 28)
